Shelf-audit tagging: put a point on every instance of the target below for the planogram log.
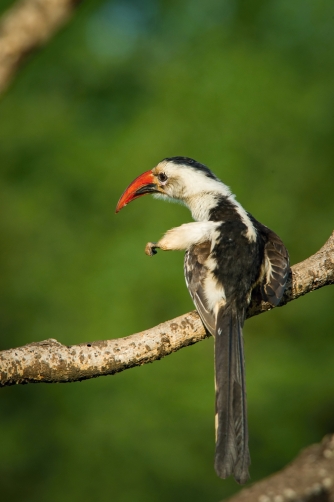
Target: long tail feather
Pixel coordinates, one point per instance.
(232, 454)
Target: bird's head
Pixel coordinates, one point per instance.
(175, 178)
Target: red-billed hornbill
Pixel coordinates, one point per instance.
(228, 255)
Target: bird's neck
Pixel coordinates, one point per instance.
(201, 204)
(201, 194)
(218, 206)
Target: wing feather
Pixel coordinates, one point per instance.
(195, 273)
(277, 269)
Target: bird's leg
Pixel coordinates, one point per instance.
(171, 241)
(183, 237)
(151, 248)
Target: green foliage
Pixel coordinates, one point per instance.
(246, 88)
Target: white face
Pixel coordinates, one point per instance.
(185, 182)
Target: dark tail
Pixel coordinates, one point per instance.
(232, 454)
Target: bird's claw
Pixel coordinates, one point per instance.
(151, 249)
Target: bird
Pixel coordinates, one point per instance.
(230, 259)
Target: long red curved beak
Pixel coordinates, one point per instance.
(142, 185)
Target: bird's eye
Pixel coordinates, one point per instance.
(162, 177)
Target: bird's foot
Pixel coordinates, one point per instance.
(151, 248)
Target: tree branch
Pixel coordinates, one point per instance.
(309, 478)
(49, 361)
(27, 26)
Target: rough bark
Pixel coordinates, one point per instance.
(49, 361)
(25, 27)
(309, 478)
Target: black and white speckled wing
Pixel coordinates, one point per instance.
(277, 269)
(195, 273)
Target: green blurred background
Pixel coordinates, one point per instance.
(244, 87)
